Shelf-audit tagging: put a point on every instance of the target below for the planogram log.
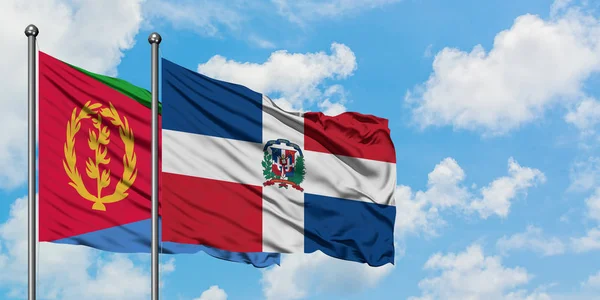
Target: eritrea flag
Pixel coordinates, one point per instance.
(95, 165)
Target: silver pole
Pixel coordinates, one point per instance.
(154, 39)
(31, 32)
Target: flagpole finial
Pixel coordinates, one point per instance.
(154, 38)
(31, 30)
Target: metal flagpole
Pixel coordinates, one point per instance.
(154, 39)
(31, 32)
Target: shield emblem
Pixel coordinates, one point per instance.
(283, 164)
(284, 161)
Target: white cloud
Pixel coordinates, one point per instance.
(585, 175)
(415, 214)
(303, 274)
(472, 275)
(532, 239)
(213, 293)
(585, 116)
(90, 275)
(331, 109)
(302, 11)
(261, 42)
(334, 100)
(205, 17)
(590, 242)
(69, 30)
(525, 295)
(593, 205)
(559, 6)
(420, 212)
(496, 197)
(444, 189)
(593, 282)
(168, 266)
(428, 51)
(236, 18)
(532, 66)
(297, 78)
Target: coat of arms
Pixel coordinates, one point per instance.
(98, 167)
(283, 164)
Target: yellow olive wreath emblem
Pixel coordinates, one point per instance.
(98, 142)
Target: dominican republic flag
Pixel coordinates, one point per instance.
(240, 174)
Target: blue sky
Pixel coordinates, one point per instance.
(492, 110)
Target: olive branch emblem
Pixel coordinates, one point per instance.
(98, 142)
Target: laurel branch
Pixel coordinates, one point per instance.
(266, 164)
(98, 144)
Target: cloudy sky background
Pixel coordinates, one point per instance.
(493, 110)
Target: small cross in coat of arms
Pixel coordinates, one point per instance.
(283, 164)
